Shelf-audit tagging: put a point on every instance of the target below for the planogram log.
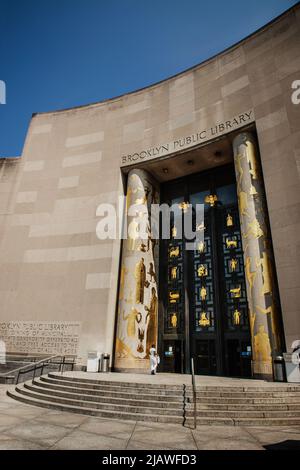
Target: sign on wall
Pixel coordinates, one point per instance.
(40, 337)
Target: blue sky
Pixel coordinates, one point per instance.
(60, 53)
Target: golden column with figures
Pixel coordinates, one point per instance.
(263, 299)
(138, 301)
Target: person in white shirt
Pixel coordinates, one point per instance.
(154, 359)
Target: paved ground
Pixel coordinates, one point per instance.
(177, 379)
(30, 427)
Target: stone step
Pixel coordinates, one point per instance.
(104, 399)
(114, 383)
(279, 387)
(45, 382)
(79, 402)
(128, 405)
(243, 407)
(157, 418)
(108, 393)
(117, 388)
(163, 391)
(92, 411)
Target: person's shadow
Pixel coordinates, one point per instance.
(284, 445)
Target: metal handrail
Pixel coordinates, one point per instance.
(194, 393)
(40, 365)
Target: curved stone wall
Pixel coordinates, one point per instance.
(55, 272)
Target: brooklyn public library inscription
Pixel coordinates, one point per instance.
(203, 135)
(40, 337)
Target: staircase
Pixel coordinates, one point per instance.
(216, 405)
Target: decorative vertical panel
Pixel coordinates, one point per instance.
(138, 296)
(264, 309)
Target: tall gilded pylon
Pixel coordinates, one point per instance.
(263, 299)
(138, 295)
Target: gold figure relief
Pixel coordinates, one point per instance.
(173, 297)
(229, 220)
(174, 252)
(174, 320)
(201, 247)
(265, 263)
(254, 230)
(235, 292)
(250, 275)
(236, 317)
(243, 203)
(200, 227)
(174, 272)
(133, 234)
(231, 243)
(131, 319)
(204, 321)
(151, 273)
(152, 323)
(202, 270)
(183, 206)
(211, 199)
(203, 293)
(174, 231)
(252, 163)
(140, 277)
(262, 346)
(240, 170)
(123, 273)
(252, 191)
(233, 264)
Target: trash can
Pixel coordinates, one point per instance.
(105, 362)
(279, 369)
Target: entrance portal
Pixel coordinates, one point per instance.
(203, 302)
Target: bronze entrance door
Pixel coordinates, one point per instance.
(203, 304)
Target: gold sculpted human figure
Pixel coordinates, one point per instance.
(262, 346)
(123, 273)
(202, 270)
(204, 321)
(140, 277)
(211, 199)
(174, 320)
(243, 203)
(133, 234)
(174, 231)
(264, 262)
(174, 272)
(229, 220)
(250, 275)
(236, 317)
(203, 293)
(151, 273)
(152, 325)
(201, 247)
(131, 318)
(233, 264)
